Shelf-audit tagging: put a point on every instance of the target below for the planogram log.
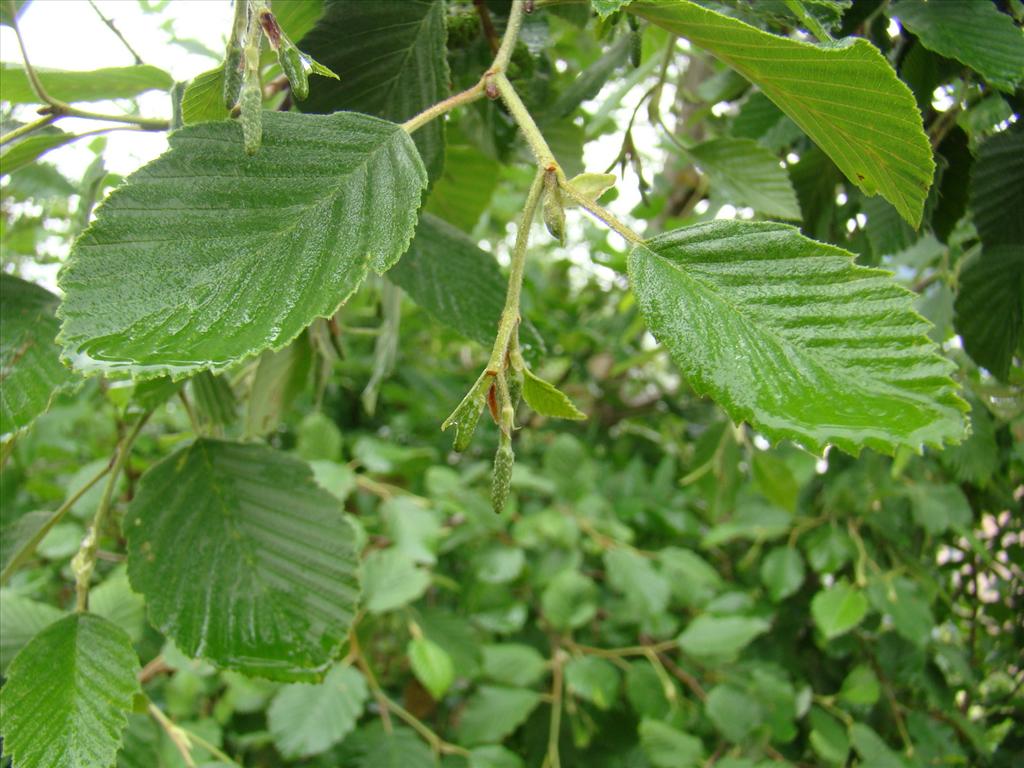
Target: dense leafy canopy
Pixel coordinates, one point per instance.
(749, 403)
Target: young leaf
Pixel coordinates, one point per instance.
(976, 34)
(31, 373)
(747, 174)
(391, 60)
(309, 719)
(793, 337)
(432, 666)
(668, 747)
(590, 185)
(22, 619)
(219, 255)
(391, 580)
(67, 693)
(844, 95)
(243, 559)
(97, 85)
(204, 98)
(546, 399)
(27, 150)
(838, 609)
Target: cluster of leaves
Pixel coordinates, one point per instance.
(265, 514)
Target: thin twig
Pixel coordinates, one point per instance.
(113, 28)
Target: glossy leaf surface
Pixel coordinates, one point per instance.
(219, 255)
(31, 373)
(390, 59)
(67, 693)
(793, 337)
(845, 96)
(243, 559)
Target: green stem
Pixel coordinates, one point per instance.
(599, 212)
(510, 314)
(85, 561)
(508, 42)
(467, 96)
(30, 546)
(553, 759)
(525, 121)
(35, 125)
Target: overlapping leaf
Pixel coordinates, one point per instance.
(67, 693)
(207, 256)
(243, 559)
(391, 61)
(309, 719)
(747, 174)
(448, 275)
(96, 85)
(30, 369)
(976, 34)
(845, 96)
(791, 336)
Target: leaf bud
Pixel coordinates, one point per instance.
(232, 75)
(554, 212)
(501, 480)
(294, 69)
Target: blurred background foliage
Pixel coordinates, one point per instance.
(673, 589)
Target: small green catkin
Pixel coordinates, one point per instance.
(232, 75)
(251, 102)
(501, 480)
(294, 69)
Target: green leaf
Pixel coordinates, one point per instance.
(903, 602)
(589, 82)
(19, 538)
(997, 188)
(747, 174)
(720, 638)
(373, 747)
(243, 559)
(280, 376)
(861, 686)
(973, 33)
(732, 712)
(309, 719)
(593, 679)
(391, 59)
(828, 737)
(693, 580)
(793, 337)
(493, 712)
(391, 580)
(72, 87)
(21, 619)
(838, 609)
(67, 693)
(606, 8)
(634, 576)
(494, 757)
(432, 666)
(976, 459)
(667, 747)
(546, 399)
(32, 147)
(297, 17)
(569, 600)
(513, 664)
(318, 438)
(219, 255)
(31, 373)
(465, 188)
(114, 600)
(989, 307)
(939, 507)
(844, 95)
(782, 572)
(754, 519)
(873, 751)
(457, 283)
(204, 98)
